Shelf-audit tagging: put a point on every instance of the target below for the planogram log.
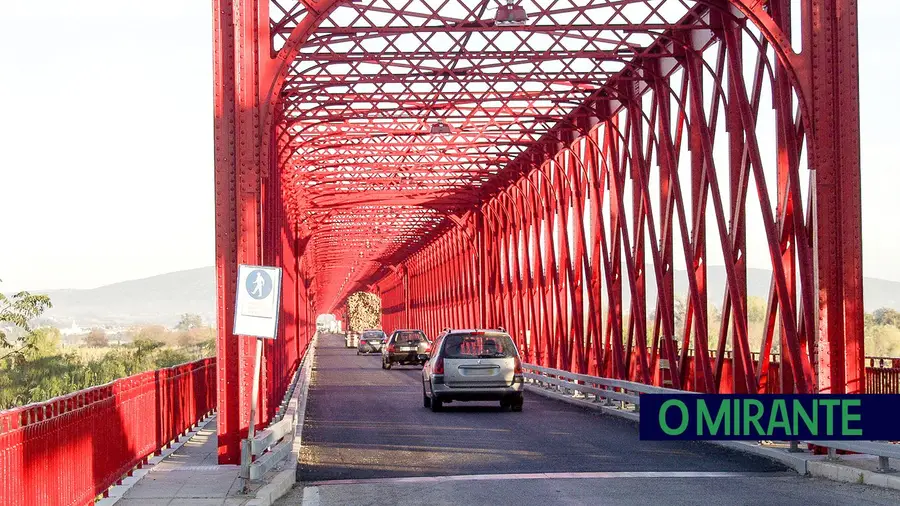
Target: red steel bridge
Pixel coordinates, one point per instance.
(598, 177)
(551, 176)
(570, 170)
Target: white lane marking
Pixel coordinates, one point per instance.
(310, 496)
(543, 476)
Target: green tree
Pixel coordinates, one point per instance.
(869, 320)
(171, 357)
(96, 339)
(45, 342)
(886, 316)
(18, 310)
(207, 348)
(156, 333)
(42, 371)
(882, 341)
(189, 321)
(145, 347)
(756, 309)
(680, 313)
(195, 336)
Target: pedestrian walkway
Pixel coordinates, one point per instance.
(190, 476)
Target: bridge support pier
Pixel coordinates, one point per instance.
(832, 55)
(249, 212)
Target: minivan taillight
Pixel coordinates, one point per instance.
(391, 349)
(518, 366)
(438, 366)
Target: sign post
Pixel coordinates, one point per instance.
(256, 314)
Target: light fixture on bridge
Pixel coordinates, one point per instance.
(440, 128)
(511, 15)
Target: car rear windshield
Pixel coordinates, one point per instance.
(409, 337)
(372, 335)
(478, 346)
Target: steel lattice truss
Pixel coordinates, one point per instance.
(371, 82)
(572, 178)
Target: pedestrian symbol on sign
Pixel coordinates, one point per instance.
(258, 301)
(259, 284)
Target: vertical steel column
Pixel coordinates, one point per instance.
(505, 311)
(831, 42)
(429, 294)
(404, 272)
(581, 316)
(595, 187)
(444, 281)
(241, 152)
(480, 271)
(458, 281)
(697, 305)
(564, 287)
(412, 267)
(531, 325)
(552, 286)
(541, 340)
(612, 157)
(666, 292)
(520, 298)
(738, 178)
(489, 269)
(229, 349)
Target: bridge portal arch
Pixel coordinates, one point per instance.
(348, 132)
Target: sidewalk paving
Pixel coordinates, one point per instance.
(190, 476)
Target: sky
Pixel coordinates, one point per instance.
(106, 145)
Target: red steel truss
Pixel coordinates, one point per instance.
(555, 178)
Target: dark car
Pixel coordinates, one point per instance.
(371, 341)
(405, 347)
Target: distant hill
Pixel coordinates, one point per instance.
(876, 292)
(155, 300)
(161, 299)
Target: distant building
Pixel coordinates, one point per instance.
(74, 330)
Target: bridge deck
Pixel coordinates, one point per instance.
(367, 439)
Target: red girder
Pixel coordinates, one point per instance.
(583, 172)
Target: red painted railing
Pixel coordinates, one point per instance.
(71, 449)
(882, 375)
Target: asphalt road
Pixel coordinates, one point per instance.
(367, 439)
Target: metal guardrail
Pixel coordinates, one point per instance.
(623, 398)
(882, 449)
(272, 444)
(605, 391)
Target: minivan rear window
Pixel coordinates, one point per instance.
(409, 337)
(478, 346)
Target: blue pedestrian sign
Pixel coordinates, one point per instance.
(258, 301)
(259, 284)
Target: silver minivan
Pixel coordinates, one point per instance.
(473, 365)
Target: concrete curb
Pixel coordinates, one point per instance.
(282, 482)
(834, 471)
(275, 489)
(796, 461)
(117, 492)
(802, 463)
